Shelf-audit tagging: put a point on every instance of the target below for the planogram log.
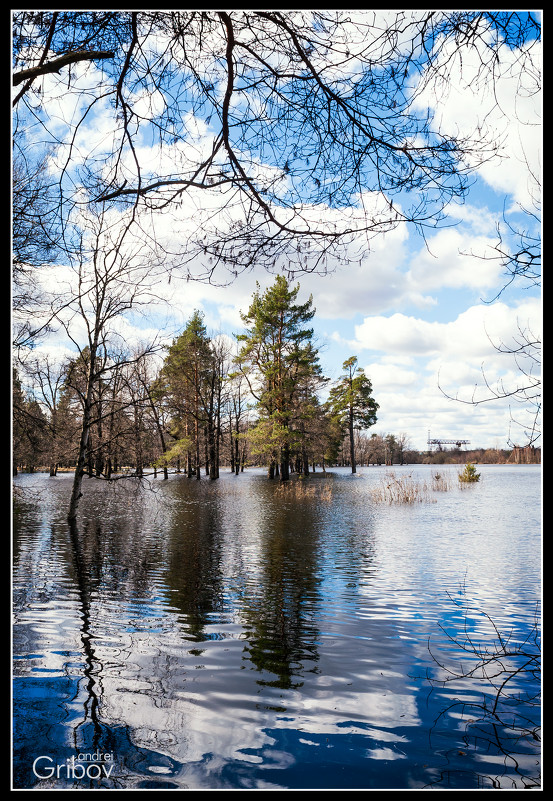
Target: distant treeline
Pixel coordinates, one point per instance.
(479, 456)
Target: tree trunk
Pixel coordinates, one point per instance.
(213, 460)
(163, 446)
(198, 466)
(285, 463)
(351, 443)
(208, 457)
(76, 493)
(99, 458)
(138, 444)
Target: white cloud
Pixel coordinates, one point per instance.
(406, 355)
(391, 375)
(469, 334)
(423, 367)
(447, 261)
(397, 334)
(493, 104)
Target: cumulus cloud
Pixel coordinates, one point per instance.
(469, 334)
(392, 283)
(496, 106)
(445, 262)
(418, 369)
(391, 375)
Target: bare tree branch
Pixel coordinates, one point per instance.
(58, 63)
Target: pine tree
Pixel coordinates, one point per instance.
(352, 402)
(280, 363)
(191, 380)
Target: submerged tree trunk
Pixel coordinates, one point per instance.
(208, 457)
(138, 457)
(212, 452)
(198, 466)
(351, 443)
(285, 463)
(236, 445)
(161, 440)
(83, 442)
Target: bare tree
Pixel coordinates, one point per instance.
(33, 239)
(29, 428)
(106, 279)
(518, 249)
(237, 408)
(48, 379)
(153, 408)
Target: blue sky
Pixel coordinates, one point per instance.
(418, 314)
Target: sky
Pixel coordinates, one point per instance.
(422, 316)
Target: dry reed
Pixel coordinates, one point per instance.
(304, 488)
(406, 489)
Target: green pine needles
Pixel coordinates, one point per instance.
(469, 475)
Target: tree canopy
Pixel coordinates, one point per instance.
(280, 363)
(289, 134)
(352, 402)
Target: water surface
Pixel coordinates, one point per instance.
(239, 634)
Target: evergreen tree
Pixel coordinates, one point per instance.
(191, 380)
(280, 363)
(352, 402)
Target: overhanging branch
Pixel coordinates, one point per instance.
(61, 61)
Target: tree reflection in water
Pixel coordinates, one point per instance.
(494, 693)
(235, 636)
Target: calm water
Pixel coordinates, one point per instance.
(233, 635)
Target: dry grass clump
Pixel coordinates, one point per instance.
(406, 489)
(394, 489)
(441, 482)
(300, 488)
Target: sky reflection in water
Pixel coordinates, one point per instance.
(235, 635)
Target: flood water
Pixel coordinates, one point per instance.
(238, 634)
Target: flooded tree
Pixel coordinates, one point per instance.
(107, 277)
(29, 428)
(48, 382)
(155, 410)
(278, 360)
(191, 379)
(352, 402)
(237, 412)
